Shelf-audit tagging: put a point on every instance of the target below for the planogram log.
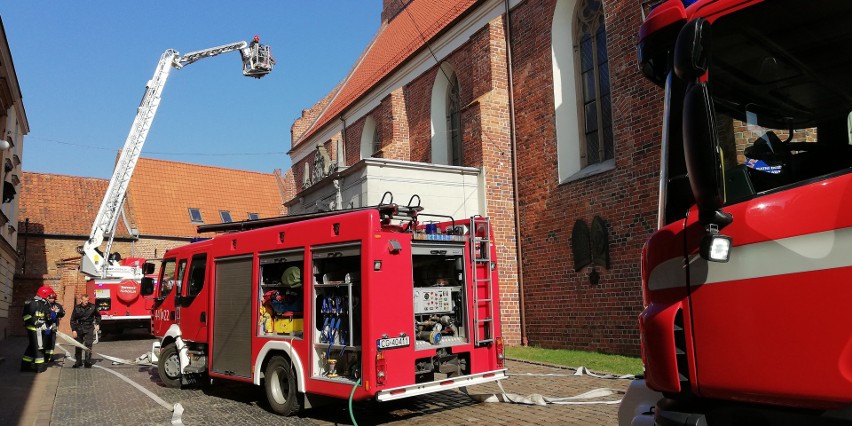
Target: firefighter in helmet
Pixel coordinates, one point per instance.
(36, 315)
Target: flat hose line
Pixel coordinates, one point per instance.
(586, 398)
(532, 399)
(176, 409)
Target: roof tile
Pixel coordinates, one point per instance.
(395, 42)
(59, 204)
(159, 197)
(162, 192)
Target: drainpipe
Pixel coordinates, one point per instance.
(519, 251)
(26, 240)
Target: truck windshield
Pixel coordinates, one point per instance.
(780, 79)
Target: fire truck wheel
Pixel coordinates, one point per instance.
(280, 384)
(169, 366)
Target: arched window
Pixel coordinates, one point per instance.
(446, 118)
(590, 44)
(454, 122)
(581, 89)
(370, 138)
(377, 140)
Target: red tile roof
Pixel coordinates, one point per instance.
(59, 204)
(161, 193)
(395, 42)
(159, 197)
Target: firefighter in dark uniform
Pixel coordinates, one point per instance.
(48, 335)
(85, 322)
(36, 313)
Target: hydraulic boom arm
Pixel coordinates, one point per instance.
(257, 62)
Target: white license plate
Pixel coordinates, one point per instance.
(393, 342)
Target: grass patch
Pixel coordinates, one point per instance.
(597, 362)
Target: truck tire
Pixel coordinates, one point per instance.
(169, 366)
(280, 384)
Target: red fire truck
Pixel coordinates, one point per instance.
(119, 299)
(365, 303)
(746, 281)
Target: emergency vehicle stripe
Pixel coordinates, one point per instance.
(803, 253)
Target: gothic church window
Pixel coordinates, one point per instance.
(446, 118)
(590, 43)
(370, 138)
(582, 100)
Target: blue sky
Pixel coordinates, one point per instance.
(83, 65)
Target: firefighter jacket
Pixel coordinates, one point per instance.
(85, 317)
(36, 313)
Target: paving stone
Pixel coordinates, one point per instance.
(94, 396)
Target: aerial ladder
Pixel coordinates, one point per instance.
(257, 62)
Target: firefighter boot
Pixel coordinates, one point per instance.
(27, 366)
(78, 358)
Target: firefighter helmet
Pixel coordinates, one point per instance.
(292, 277)
(44, 292)
(270, 296)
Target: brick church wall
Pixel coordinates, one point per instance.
(404, 119)
(563, 309)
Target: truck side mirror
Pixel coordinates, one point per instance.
(147, 287)
(700, 139)
(148, 268)
(692, 50)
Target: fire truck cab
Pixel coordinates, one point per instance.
(368, 302)
(745, 283)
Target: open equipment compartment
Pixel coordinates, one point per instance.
(337, 312)
(281, 294)
(440, 308)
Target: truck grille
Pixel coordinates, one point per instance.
(680, 352)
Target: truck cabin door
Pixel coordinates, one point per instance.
(780, 296)
(192, 302)
(163, 312)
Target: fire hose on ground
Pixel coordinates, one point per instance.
(141, 360)
(176, 409)
(586, 398)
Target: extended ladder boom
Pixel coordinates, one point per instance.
(257, 62)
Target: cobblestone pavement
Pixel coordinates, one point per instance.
(95, 396)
